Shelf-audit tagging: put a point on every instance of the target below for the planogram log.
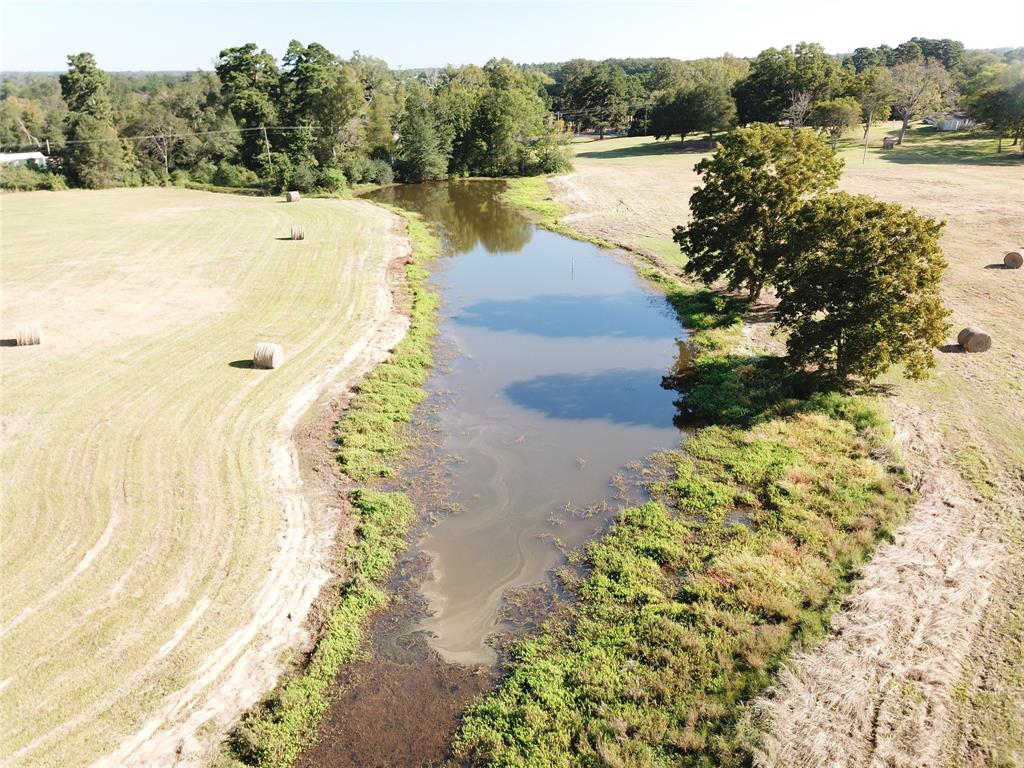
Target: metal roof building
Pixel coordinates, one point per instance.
(7, 158)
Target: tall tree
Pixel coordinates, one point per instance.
(249, 80)
(94, 156)
(919, 88)
(318, 90)
(608, 98)
(995, 97)
(510, 123)
(670, 114)
(777, 75)
(86, 88)
(22, 123)
(835, 117)
(866, 58)
(707, 107)
(743, 216)
(198, 102)
(799, 109)
(950, 52)
(457, 101)
(908, 53)
(712, 107)
(166, 139)
(873, 90)
(420, 155)
(859, 289)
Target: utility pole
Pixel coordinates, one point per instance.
(270, 161)
(266, 143)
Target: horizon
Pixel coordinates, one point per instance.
(414, 36)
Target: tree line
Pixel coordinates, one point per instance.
(311, 121)
(800, 85)
(316, 121)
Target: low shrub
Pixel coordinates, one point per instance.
(26, 178)
(230, 175)
(303, 177)
(332, 180)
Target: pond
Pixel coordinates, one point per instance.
(553, 385)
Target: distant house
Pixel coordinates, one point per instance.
(954, 122)
(23, 158)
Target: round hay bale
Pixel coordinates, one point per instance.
(28, 334)
(974, 340)
(292, 197)
(1013, 260)
(268, 355)
(298, 233)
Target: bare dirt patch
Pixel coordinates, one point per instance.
(400, 706)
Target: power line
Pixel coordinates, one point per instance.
(197, 133)
(582, 111)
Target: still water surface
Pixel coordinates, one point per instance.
(555, 388)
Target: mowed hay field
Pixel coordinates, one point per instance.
(161, 541)
(927, 663)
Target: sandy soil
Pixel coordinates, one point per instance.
(929, 647)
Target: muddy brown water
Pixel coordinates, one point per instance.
(554, 388)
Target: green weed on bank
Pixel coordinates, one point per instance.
(690, 603)
(370, 436)
(371, 433)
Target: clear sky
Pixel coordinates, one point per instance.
(177, 36)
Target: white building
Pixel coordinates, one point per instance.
(23, 158)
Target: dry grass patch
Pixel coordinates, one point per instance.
(154, 526)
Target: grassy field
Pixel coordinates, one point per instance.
(163, 538)
(924, 665)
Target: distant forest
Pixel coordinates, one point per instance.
(315, 121)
